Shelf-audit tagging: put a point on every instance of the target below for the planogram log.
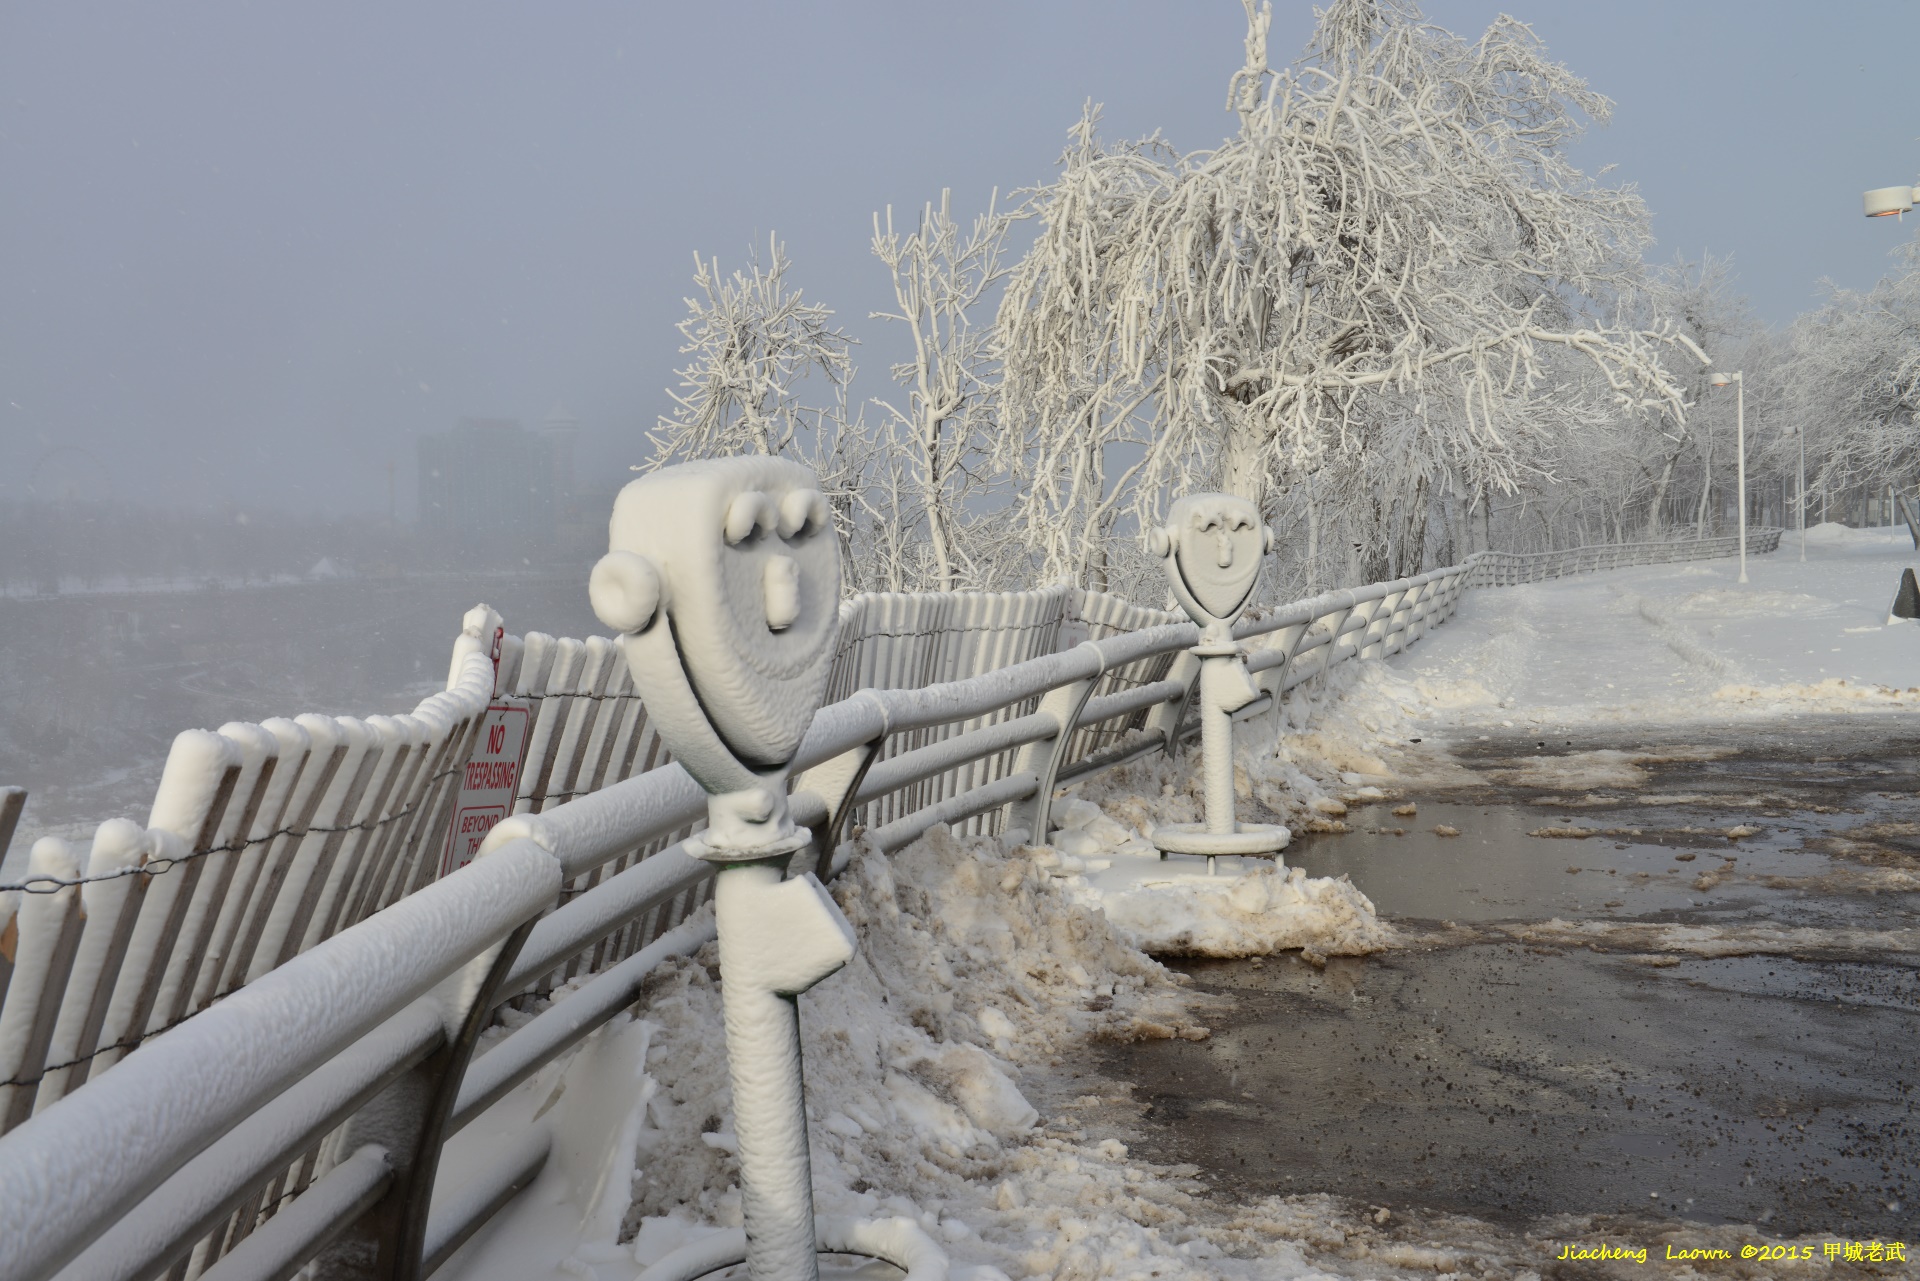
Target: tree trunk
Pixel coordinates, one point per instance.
(1413, 533)
(944, 577)
(1373, 553)
(1245, 463)
(1660, 496)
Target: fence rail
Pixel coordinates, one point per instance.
(1508, 569)
(272, 1114)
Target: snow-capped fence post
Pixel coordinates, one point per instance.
(47, 930)
(1211, 548)
(12, 801)
(723, 580)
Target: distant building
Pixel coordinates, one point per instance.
(560, 429)
(488, 487)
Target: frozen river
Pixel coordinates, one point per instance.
(94, 687)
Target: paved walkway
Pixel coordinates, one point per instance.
(1687, 641)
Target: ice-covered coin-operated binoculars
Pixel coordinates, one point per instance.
(1212, 546)
(723, 582)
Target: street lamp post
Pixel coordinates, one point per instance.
(1800, 495)
(1740, 438)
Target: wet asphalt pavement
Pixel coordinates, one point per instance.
(1544, 1046)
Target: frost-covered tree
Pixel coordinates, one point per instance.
(752, 344)
(1394, 228)
(751, 340)
(1700, 297)
(1853, 382)
(940, 278)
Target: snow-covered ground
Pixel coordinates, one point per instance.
(1686, 642)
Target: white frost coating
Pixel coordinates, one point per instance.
(592, 916)
(118, 844)
(777, 939)
(148, 935)
(1211, 548)
(277, 1247)
(39, 921)
(301, 761)
(599, 999)
(593, 1103)
(597, 1135)
(85, 1161)
(899, 1241)
(189, 780)
(126, 1249)
(253, 747)
(387, 736)
(328, 733)
(588, 830)
(477, 630)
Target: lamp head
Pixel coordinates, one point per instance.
(1720, 380)
(1883, 202)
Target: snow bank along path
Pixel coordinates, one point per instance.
(1676, 643)
(933, 1119)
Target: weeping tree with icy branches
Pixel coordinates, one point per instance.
(1394, 229)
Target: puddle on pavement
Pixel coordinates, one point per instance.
(1511, 1082)
(1495, 871)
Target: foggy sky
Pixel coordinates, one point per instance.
(249, 253)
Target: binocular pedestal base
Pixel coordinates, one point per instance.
(1245, 839)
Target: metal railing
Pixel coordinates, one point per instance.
(1508, 569)
(300, 1119)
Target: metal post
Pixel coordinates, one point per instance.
(1045, 759)
(1740, 434)
(409, 1120)
(1803, 493)
(1211, 547)
(1216, 739)
(777, 939)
